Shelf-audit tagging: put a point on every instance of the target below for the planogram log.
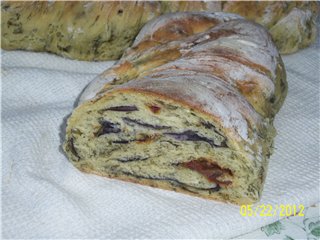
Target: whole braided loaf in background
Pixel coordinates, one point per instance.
(189, 107)
(103, 30)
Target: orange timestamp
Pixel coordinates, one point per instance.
(268, 210)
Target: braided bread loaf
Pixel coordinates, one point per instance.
(103, 30)
(189, 107)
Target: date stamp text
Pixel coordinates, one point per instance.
(268, 210)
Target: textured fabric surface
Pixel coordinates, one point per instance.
(44, 196)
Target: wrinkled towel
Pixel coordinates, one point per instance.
(44, 196)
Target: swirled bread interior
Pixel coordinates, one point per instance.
(164, 144)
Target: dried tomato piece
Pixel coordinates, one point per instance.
(210, 170)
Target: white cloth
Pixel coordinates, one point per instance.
(44, 196)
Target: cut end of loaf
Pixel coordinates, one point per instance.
(146, 139)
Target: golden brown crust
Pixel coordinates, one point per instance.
(260, 70)
(182, 28)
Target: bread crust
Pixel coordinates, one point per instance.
(263, 81)
(291, 24)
